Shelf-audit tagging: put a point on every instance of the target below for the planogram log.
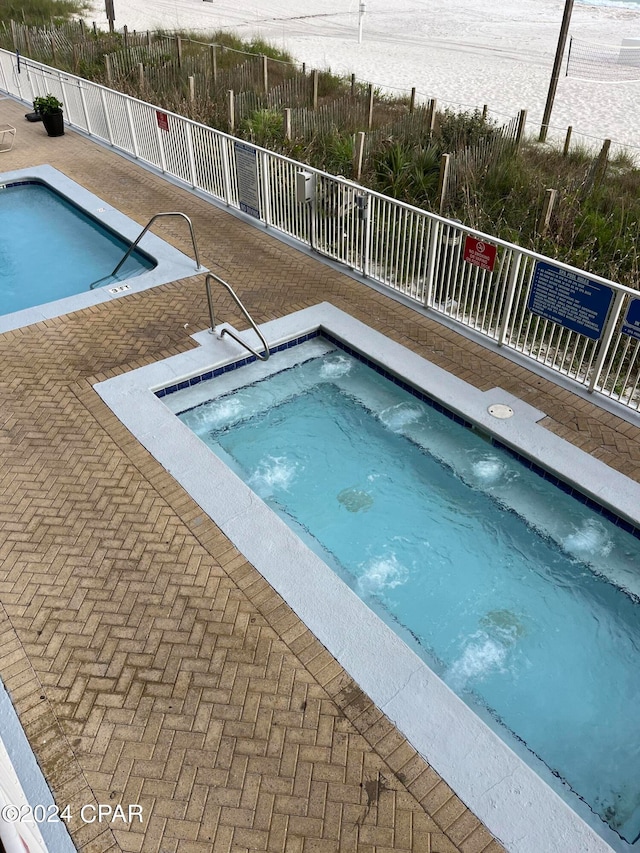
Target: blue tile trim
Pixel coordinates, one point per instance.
(227, 368)
(430, 401)
(21, 184)
(622, 523)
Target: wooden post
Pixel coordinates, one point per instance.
(304, 69)
(601, 162)
(314, 83)
(81, 24)
(14, 34)
(370, 116)
(125, 35)
(265, 74)
(431, 115)
(412, 102)
(192, 89)
(286, 125)
(353, 85)
(109, 11)
(95, 29)
(358, 156)
(555, 74)
(567, 141)
(28, 39)
(485, 112)
(232, 111)
(53, 49)
(547, 209)
(443, 180)
(213, 53)
(74, 51)
(149, 39)
(141, 75)
(522, 120)
(179, 50)
(107, 65)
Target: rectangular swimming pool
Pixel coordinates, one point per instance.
(522, 598)
(59, 244)
(50, 248)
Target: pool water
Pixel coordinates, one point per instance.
(522, 598)
(50, 249)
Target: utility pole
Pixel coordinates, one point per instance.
(111, 15)
(555, 74)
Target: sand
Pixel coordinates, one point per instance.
(463, 55)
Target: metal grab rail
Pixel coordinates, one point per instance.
(264, 356)
(141, 235)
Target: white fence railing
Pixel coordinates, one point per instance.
(543, 309)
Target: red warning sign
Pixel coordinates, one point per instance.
(479, 253)
(163, 120)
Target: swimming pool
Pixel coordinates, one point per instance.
(515, 804)
(50, 248)
(57, 240)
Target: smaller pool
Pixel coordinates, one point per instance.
(57, 239)
(50, 248)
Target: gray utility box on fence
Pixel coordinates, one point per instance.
(304, 186)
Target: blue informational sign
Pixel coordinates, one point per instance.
(631, 325)
(570, 299)
(247, 173)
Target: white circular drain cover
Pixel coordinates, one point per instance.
(500, 410)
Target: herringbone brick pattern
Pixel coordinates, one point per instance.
(147, 659)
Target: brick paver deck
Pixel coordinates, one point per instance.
(147, 659)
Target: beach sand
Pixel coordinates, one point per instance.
(463, 55)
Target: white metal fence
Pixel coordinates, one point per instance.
(477, 280)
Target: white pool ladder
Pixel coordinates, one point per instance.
(207, 283)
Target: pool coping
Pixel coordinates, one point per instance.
(515, 804)
(171, 264)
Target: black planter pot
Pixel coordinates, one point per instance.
(54, 123)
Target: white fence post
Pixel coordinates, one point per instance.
(508, 303)
(107, 120)
(84, 109)
(163, 161)
(132, 129)
(191, 155)
(64, 99)
(266, 190)
(226, 173)
(432, 258)
(607, 337)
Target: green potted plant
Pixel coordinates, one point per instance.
(50, 108)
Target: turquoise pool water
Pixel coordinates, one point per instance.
(50, 248)
(522, 598)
